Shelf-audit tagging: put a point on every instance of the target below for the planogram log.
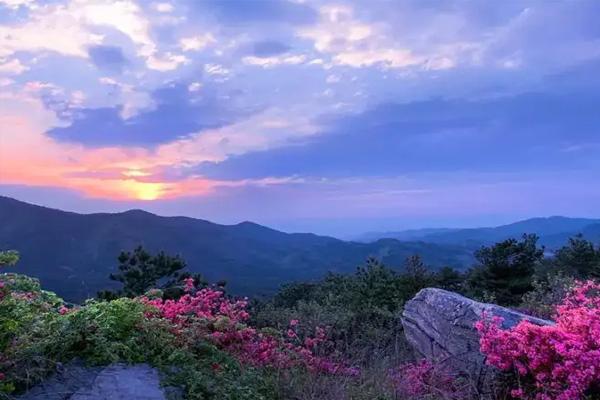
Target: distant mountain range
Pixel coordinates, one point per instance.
(73, 254)
(553, 232)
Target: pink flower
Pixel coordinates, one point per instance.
(224, 324)
(189, 285)
(558, 362)
(291, 334)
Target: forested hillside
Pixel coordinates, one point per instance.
(73, 254)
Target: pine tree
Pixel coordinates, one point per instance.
(579, 258)
(140, 271)
(505, 270)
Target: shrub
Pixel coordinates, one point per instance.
(28, 321)
(546, 295)
(560, 361)
(212, 317)
(427, 380)
(38, 331)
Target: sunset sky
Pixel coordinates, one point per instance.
(333, 117)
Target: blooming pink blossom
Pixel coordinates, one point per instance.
(555, 362)
(189, 285)
(223, 322)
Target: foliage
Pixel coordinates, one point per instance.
(26, 314)
(362, 314)
(214, 318)
(309, 340)
(579, 258)
(361, 310)
(8, 258)
(200, 340)
(505, 271)
(546, 294)
(141, 271)
(428, 380)
(559, 361)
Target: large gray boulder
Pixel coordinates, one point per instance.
(440, 326)
(113, 382)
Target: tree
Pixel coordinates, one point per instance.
(579, 258)
(505, 270)
(416, 274)
(8, 258)
(140, 271)
(376, 286)
(449, 279)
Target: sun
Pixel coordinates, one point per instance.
(147, 191)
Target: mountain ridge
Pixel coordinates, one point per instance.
(73, 254)
(553, 231)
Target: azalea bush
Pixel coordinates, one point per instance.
(201, 341)
(554, 362)
(26, 312)
(207, 314)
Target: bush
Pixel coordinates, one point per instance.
(29, 326)
(561, 361)
(427, 380)
(546, 295)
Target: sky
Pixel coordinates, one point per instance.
(335, 117)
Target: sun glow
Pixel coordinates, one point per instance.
(147, 191)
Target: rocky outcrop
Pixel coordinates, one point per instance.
(440, 326)
(114, 382)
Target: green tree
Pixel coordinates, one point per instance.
(578, 258)
(416, 276)
(8, 258)
(140, 271)
(377, 286)
(449, 279)
(505, 270)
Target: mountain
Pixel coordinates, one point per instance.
(553, 232)
(73, 254)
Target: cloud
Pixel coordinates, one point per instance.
(195, 43)
(269, 62)
(12, 67)
(73, 28)
(109, 58)
(177, 114)
(269, 48)
(353, 42)
(493, 134)
(130, 99)
(163, 7)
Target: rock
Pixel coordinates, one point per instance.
(439, 325)
(114, 382)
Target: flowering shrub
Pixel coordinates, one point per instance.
(213, 317)
(425, 379)
(25, 312)
(558, 362)
(202, 340)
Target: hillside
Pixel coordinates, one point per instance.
(73, 254)
(553, 232)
